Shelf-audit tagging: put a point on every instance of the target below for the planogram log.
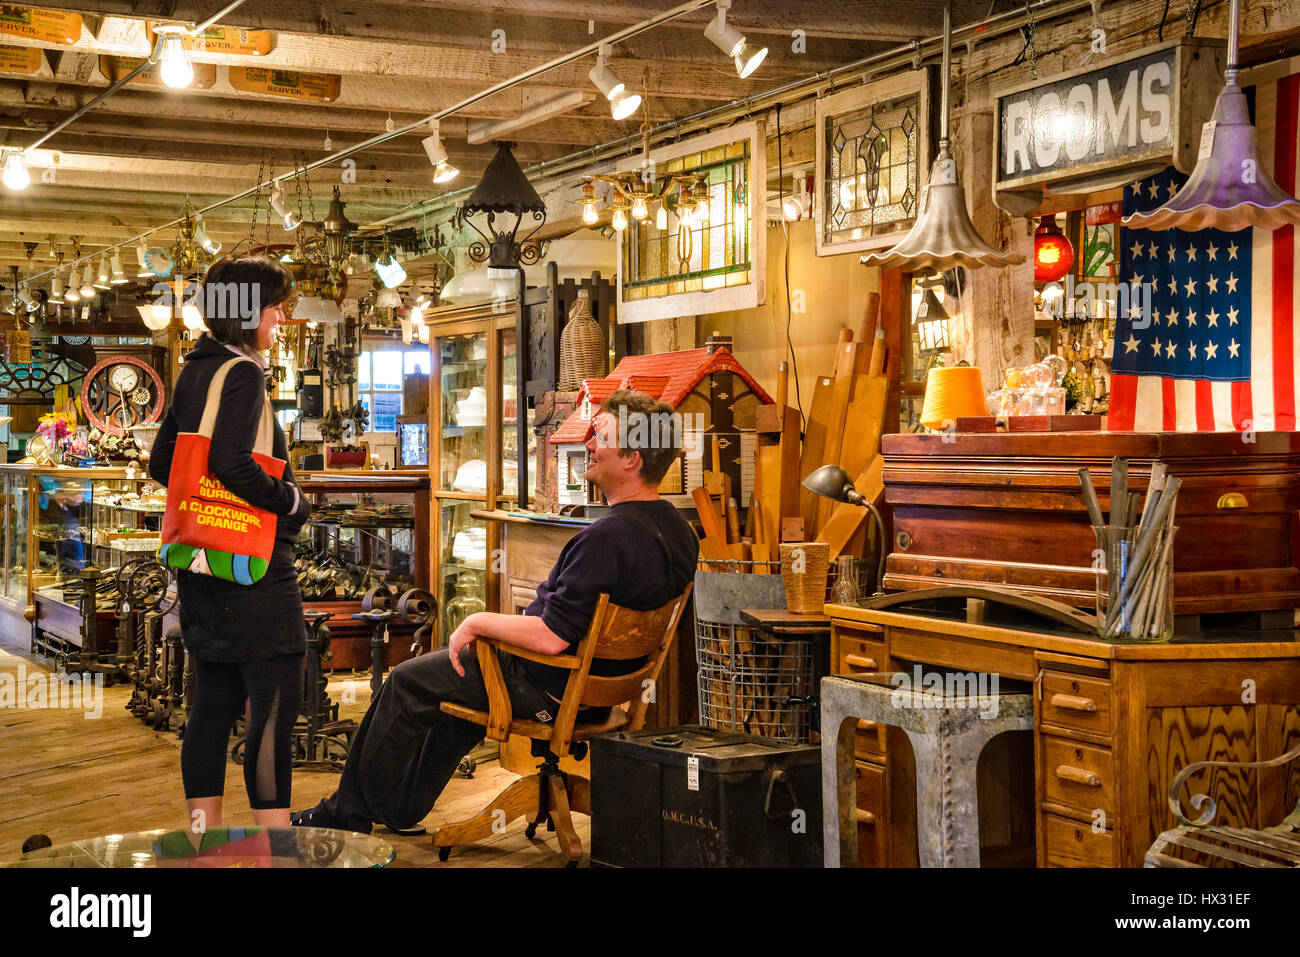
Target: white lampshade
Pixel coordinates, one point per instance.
(155, 317)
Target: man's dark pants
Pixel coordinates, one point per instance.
(407, 749)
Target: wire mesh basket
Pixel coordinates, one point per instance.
(748, 680)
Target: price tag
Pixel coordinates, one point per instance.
(693, 773)
(1207, 140)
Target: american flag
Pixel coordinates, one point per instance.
(1220, 351)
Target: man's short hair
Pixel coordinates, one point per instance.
(648, 426)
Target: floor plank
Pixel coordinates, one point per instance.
(69, 778)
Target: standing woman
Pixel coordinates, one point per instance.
(246, 642)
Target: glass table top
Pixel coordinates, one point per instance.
(218, 847)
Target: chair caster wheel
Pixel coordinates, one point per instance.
(444, 853)
(530, 831)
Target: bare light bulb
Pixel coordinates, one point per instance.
(173, 59)
(619, 221)
(661, 218)
(589, 214)
(639, 210)
(15, 174)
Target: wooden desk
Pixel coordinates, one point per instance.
(1113, 724)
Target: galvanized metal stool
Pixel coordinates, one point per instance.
(1195, 843)
(947, 731)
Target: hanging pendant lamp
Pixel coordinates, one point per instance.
(943, 235)
(1228, 189)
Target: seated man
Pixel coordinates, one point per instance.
(642, 554)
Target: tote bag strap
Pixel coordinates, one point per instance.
(265, 435)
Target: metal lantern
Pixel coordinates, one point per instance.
(504, 191)
(932, 324)
(943, 235)
(336, 227)
(1228, 189)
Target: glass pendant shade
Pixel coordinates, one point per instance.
(390, 271)
(1228, 189)
(155, 317)
(388, 299)
(1053, 254)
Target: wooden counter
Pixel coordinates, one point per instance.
(1113, 724)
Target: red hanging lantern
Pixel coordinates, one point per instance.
(1053, 254)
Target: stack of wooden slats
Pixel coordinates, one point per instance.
(844, 423)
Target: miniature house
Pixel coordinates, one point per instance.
(712, 391)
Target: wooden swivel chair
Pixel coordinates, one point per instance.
(615, 633)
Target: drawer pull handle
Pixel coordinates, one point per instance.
(861, 661)
(1073, 702)
(866, 725)
(1232, 500)
(865, 817)
(1078, 776)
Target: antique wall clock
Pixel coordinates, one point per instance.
(122, 391)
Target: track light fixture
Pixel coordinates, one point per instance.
(141, 258)
(87, 289)
(56, 287)
(291, 219)
(732, 42)
(101, 276)
(443, 171)
(210, 245)
(622, 103)
(116, 276)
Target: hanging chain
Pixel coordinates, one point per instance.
(1031, 32)
(297, 183)
(257, 199)
(311, 207)
(270, 173)
(1192, 7)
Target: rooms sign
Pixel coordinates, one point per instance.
(1107, 124)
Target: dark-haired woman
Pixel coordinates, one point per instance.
(246, 642)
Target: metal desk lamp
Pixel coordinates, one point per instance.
(834, 483)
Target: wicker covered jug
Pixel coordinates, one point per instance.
(583, 354)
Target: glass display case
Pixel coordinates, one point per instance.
(463, 388)
(59, 520)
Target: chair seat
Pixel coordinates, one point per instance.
(616, 720)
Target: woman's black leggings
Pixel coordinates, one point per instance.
(273, 689)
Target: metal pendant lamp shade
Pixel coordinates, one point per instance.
(504, 191)
(943, 235)
(1228, 189)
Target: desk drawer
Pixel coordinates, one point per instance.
(858, 656)
(1079, 776)
(1076, 702)
(1071, 844)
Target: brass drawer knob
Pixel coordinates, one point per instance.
(865, 817)
(1232, 500)
(1072, 702)
(1078, 776)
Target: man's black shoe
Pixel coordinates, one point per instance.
(319, 817)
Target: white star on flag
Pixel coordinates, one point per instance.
(1232, 251)
(1130, 344)
(1212, 283)
(1233, 348)
(1173, 253)
(1191, 317)
(1173, 287)
(1191, 349)
(1211, 349)
(1190, 287)
(1137, 250)
(1172, 316)
(1152, 190)
(1155, 315)
(1212, 316)
(1156, 347)
(1171, 349)
(1134, 311)
(1211, 251)
(1191, 254)
(1154, 250)
(1232, 283)
(1232, 317)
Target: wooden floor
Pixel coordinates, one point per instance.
(70, 777)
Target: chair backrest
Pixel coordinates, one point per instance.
(621, 634)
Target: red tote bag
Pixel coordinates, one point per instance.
(206, 528)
